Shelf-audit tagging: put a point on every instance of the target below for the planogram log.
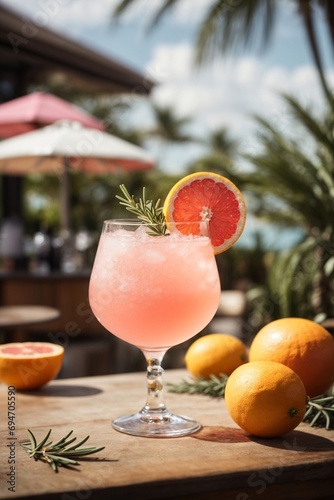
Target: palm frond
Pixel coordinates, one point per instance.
(300, 178)
(318, 130)
(166, 6)
(121, 7)
(290, 278)
(224, 23)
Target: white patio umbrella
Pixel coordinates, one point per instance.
(65, 145)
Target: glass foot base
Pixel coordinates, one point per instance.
(160, 425)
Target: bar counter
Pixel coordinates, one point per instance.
(218, 462)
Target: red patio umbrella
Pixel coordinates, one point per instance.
(38, 109)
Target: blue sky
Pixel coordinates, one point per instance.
(224, 93)
(288, 47)
(129, 40)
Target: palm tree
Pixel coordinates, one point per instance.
(293, 184)
(233, 25)
(220, 142)
(299, 173)
(168, 126)
(222, 151)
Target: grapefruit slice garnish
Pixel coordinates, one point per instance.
(29, 365)
(206, 196)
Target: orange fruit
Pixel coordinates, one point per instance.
(265, 398)
(29, 365)
(303, 345)
(205, 196)
(214, 354)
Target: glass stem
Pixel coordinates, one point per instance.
(155, 408)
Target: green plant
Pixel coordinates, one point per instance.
(293, 185)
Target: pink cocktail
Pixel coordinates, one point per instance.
(153, 292)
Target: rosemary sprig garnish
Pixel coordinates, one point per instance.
(214, 386)
(58, 454)
(146, 210)
(319, 410)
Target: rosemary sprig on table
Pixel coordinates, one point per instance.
(214, 386)
(58, 454)
(146, 210)
(319, 410)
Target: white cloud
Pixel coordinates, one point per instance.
(229, 92)
(247, 71)
(171, 62)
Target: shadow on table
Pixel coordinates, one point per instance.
(221, 435)
(298, 441)
(65, 391)
(294, 441)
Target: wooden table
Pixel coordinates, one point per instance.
(65, 292)
(219, 462)
(18, 317)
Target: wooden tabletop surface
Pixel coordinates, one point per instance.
(218, 462)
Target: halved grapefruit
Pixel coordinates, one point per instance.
(29, 365)
(206, 196)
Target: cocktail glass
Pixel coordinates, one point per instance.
(154, 292)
